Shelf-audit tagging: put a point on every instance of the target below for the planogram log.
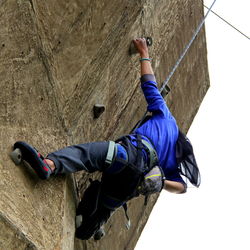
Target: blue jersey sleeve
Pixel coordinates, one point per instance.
(156, 103)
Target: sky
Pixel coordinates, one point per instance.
(216, 215)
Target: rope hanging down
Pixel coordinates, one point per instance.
(180, 58)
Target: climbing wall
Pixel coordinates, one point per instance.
(57, 60)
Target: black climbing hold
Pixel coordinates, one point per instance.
(99, 234)
(98, 109)
(16, 156)
(165, 91)
(149, 41)
(133, 50)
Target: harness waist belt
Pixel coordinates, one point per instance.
(153, 158)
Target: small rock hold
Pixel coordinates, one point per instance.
(99, 234)
(98, 109)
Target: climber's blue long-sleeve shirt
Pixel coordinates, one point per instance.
(161, 128)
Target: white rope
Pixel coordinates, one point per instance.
(186, 49)
(224, 20)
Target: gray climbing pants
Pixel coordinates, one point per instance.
(89, 157)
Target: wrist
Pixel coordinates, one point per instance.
(145, 59)
(144, 55)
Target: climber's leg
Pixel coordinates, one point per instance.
(89, 157)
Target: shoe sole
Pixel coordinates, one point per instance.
(30, 155)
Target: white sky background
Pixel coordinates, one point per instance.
(217, 215)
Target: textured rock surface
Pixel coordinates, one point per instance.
(57, 59)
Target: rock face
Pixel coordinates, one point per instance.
(57, 60)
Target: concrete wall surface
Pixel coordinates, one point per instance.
(57, 59)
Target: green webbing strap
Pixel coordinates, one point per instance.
(152, 153)
(110, 153)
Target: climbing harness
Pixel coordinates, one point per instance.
(111, 152)
(165, 83)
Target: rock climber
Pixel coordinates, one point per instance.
(124, 162)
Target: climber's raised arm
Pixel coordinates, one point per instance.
(156, 103)
(142, 48)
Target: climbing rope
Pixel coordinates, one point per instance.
(186, 48)
(224, 20)
(180, 58)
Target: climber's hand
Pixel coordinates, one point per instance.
(141, 46)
